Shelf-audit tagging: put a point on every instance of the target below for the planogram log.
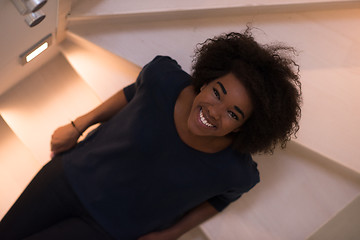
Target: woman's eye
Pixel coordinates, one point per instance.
(233, 115)
(216, 93)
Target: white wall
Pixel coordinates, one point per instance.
(17, 37)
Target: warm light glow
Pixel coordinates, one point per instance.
(36, 52)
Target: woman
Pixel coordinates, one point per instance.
(173, 149)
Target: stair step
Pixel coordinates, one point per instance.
(345, 225)
(87, 10)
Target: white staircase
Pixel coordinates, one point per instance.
(303, 190)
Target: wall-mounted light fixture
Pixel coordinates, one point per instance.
(34, 18)
(31, 10)
(35, 50)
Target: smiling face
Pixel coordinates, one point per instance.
(220, 108)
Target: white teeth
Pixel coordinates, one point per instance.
(203, 119)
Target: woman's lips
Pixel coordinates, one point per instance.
(204, 120)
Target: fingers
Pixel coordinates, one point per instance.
(58, 147)
(63, 138)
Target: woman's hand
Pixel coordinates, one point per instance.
(64, 138)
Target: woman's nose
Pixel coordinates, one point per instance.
(214, 111)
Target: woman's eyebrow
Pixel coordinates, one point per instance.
(222, 87)
(236, 107)
(240, 111)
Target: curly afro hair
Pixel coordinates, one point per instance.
(271, 78)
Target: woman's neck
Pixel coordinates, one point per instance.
(182, 110)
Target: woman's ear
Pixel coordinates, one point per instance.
(203, 86)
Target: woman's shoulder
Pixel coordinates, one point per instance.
(161, 68)
(247, 160)
(164, 73)
(244, 167)
(163, 61)
(231, 159)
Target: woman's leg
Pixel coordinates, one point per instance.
(47, 201)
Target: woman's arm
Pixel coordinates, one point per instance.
(65, 137)
(189, 221)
